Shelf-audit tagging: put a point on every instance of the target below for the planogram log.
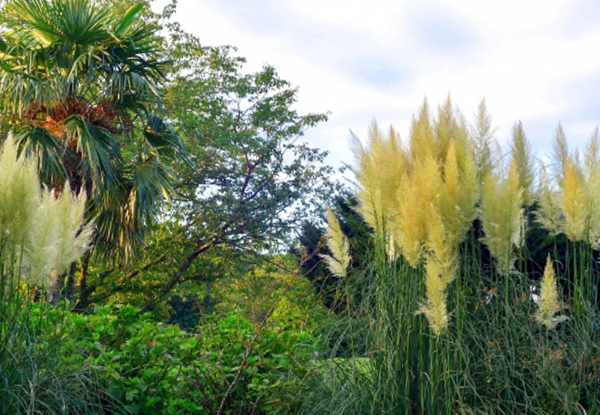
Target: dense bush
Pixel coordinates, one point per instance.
(154, 368)
(36, 376)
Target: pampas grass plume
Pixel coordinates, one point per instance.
(502, 216)
(337, 243)
(573, 201)
(548, 302)
(434, 306)
(549, 211)
(422, 137)
(521, 154)
(592, 179)
(483, 142)
(42, 234)
(561, 154)
(380, 167)
(419, 190)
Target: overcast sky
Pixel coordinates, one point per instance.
(534, 61)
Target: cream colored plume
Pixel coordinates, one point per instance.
(380, 167)
(591, 172)
(548, 301)
(338, 245)
(521, 154)
(73, 237)
(417, 192)
(561, 155)
(441, 248)
(574, 208)
(549, 213)
(42, 233)
(574, 202)
(502, 216)
(434, 306)
(422, 136)
(441, 266)
(483, 142)
(20, 198)
(459, 194)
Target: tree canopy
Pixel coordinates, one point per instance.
(247, 179)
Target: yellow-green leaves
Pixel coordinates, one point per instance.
(41, 233)
(548, 300)
(338, 245)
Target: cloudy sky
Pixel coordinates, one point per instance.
(534, 61)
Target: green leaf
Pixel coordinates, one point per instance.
(129, 17)
(133, 409)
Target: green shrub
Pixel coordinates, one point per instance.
(152, 368)
(41, 234)
(35, 374)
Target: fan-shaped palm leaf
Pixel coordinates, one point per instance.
(76, 82)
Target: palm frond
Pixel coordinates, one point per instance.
(39, 142)
(100, 152)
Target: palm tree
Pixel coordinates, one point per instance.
(80, 86)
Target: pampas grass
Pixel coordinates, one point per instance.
(549, 301)
(521, 154)
(47, 231)
(573, 202)
(39, 234)
(450, 321)
(502, 216)
(338, 245)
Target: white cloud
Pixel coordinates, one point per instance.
(532, 60)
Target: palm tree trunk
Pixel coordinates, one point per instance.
(84, 290)
(61, 290)
(70, 288)
(57, 285)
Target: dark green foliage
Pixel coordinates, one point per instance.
(337, 294)
(188, 310)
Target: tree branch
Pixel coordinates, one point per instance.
(259, 331)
